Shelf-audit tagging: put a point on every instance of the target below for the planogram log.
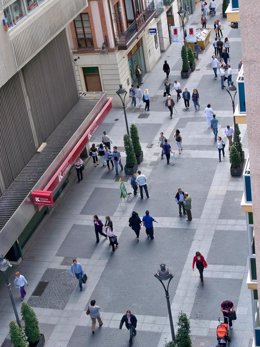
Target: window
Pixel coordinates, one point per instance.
(17, 10)
(31, 4)
(83, 31)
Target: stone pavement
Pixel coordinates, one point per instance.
(125, 279)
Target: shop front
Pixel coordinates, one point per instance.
(136, 57)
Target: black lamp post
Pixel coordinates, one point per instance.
(182, 14)
(121, 92)
(164, 275)
(232, 91)
(4, 265)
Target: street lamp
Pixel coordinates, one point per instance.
(164, 275)
(121, 92)
(232, 91)
(182, 15)
(4, 265)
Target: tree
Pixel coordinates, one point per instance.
(130, 154)
(185, 61)
(191, 58)
(17, 335)
(234, 157)
(135, 140)
(183, 334)
(31, 329)
(237, 140)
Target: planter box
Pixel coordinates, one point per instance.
(140, 158)
(129, 171)
(193, 67)
(40, 343)
(185, 74)
(236, 171)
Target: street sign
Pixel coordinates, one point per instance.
(152, 31)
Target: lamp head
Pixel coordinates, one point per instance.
(121, 92)
(181, 12)
(163, 274)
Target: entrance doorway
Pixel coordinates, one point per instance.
(136, 57)
(92, 79)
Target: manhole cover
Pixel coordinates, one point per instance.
(149, 145)
(143, 115)
(197, 70)
(40, 288)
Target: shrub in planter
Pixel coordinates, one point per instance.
(31, 328)
(170, 344)
(224, 7)
(136, 143)
(191, 59)
(185, 71)
(17, 335)
(183, 334)
(131, 162)
(237, 141)
(235, 161)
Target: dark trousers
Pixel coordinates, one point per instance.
(168, 155)
(145, 189)
(113, 243)
(227, 320)
(187, 103)
(167, 74)
(137, 232)
(171, 110)
(107, 144)
(215, 71)
(178, 95)
(22, 292)
(216, 51)
(108, 166)
(135, 188)
(79, 277)
(215, 132)
(189, 215)
(219, 153)
(149, 233)
(79, 174)
(97, 232)
(147, 105)
(181, 208)
(200, 268)
(95, 159)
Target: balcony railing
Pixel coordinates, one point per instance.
(167, 2)
(247, 182)
(241, 91)
(136, 26)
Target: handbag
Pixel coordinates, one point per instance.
(88, 312)
(164, 94)
(84, 278)
(232, 315)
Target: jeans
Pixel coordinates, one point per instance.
(187, 103)
(133, 103)
(145, 189)
(108, 166)
(196, 105)
(168, 155)
(135, 188)
(189, 215)
(79, 277)
(147, 105)
(215, 72)
(22, 292)
(171, 110)
(149, 233)
(116, 166)
(219, 153)
(181, 207)
(215, 132)
(95, 159)
(222, 82)
(79, 174)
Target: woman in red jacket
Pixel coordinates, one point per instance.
(200, 264)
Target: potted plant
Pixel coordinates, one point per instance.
(183, 334)
(136, 143)
(185, 71)
(31, 326)
(235, 161)
(17, 335)
(191, 59)
(237, 142)
(224, 7)
(131, 162)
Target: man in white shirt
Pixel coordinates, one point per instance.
(222, 72)
(106, 140)
(229, 132)
(142, 183)
(20, 282)
(177, 87)
(209, 113)
(214, 65)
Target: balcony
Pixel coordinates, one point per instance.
(246, 202)
(136, 27)
(252, 274)
(232, 11)
(240, 112)
(167, 2)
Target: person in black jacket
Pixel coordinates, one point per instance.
(179, 197)
(98, 225)
(166, 69)
(130, 322)
(135, 223)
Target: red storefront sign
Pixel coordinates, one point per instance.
(42, 198)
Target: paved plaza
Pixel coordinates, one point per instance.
(125, 279)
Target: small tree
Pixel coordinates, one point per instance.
(234, 157)
(135, 140)
(237, 140)
(224, 7)
(130, 154)
(31, 329)
(191, 58)
(170, 344)
(183, 334)
(17, 335)
(185, 61)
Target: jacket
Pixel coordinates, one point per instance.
(214, 123)
(177, 196)
(125, 320)
(202, 261)
(98, 225)
(186, 95)
(187, 203)
(135, 222)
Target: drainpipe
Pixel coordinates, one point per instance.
(112, 23)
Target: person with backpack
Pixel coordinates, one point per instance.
(170, 104)
(178, 140)
(195, 98)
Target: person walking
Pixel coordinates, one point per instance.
(203, 21)
(214, 127)
(167, 150)
(215, 45)
(209, 113)
(229, 75)
(106, 140)
(220, 47)
(142, 183)
(139, 75)
(167, 86)
(112, 238)
(229, 313)
(77, 270)
(117, 159)
(108, 223)
(201, 264)
(215, 66)
(187, 206)
(196, 50)
(134, 184)
(101, 154)
(148, 224)
(20, 282)
(135, 223)
(177, 87)
(225, 56)
(186, 98)
(179, 198)
(79, 166)
(166, 69)
(130, 322)
(178, 140)
(170, 104)
(222, 72)
(220, 147)
(93, 152)
(139, 96)
(226, 44)
(229, 132)
(162, 139)
(98, 225)
(132, 96)
(195, 98)
(94, 312)
(220, 33)
(146, 100)
(109, 158)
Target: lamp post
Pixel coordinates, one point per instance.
(4, 265)
(164, 275)
(182, 14)
(232, 91)
(121, 92)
